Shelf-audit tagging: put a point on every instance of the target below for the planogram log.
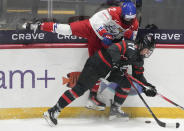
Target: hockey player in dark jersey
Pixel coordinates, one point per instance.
(99, 65)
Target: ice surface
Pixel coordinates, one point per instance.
(88, 124)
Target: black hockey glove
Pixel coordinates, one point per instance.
(150, 90)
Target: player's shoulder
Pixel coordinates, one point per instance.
(130, 49)
(114, 10)
(130, 45)
(129, 42)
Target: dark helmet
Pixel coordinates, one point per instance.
(147, 42)
(151, 27)
(128, 12)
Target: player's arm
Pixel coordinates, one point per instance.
(131, 33)
(115, 51)
(138, 72)
(98, 22)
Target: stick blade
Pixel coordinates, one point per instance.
(168, 125)
(173, 125)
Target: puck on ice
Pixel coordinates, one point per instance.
(147, 121)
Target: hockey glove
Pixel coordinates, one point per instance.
(128, 34)
(150, 91)
(107, 39)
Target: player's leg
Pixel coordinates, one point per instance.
(88, 77)
(120, 96)
(79, 28)
(94, 44)
(93, 101)
(83, 84)
(82, 29)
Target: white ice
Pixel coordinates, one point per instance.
(88, 124)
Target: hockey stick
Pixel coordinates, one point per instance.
(163, 97)
(160, 123)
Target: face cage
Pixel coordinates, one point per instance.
(149, 53)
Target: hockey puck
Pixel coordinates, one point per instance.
(147, 122)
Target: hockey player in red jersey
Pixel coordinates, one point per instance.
(100, 30)
(109, 60)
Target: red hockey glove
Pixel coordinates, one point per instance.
(128, 34)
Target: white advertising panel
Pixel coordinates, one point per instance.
(34, 77)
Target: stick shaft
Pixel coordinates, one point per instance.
(163, 97)
(168, 100)
(160, 123)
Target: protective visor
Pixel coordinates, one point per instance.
(148, 54)
(129, 17)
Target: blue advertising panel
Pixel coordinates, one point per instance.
(28, 37)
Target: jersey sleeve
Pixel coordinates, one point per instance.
(98, 22)
(138, 70)
(115, 52)
(136, 61)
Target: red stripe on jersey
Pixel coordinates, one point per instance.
(75, 94)
(138, 72)
(103, 59)
(119, 46)
(141, 68)
(66, 98)
(125, 48)
(136, 67)
(126, 89)
(120, 95)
